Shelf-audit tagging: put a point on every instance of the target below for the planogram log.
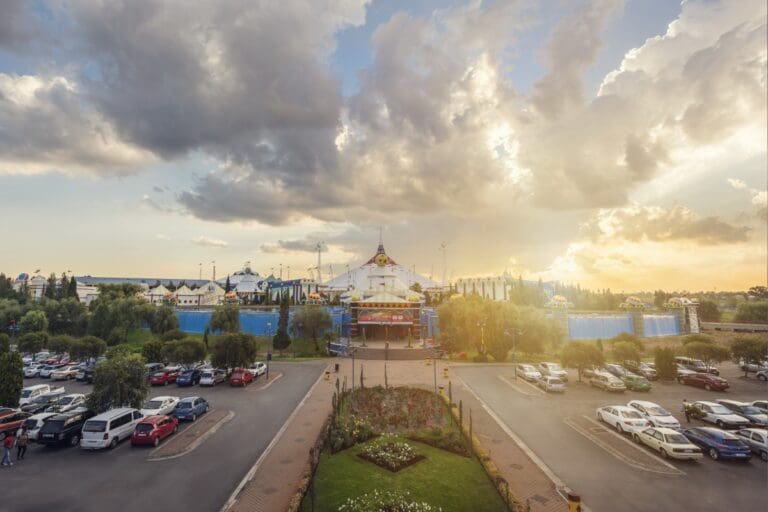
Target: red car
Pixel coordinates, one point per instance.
(11, 421)
(240, 378)
(705, 380)
(163, 378)
(153, 429)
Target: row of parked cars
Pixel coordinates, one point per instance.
(652, 425)
(203, 374)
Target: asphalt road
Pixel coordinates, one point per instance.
(605, 482)
(70, 479)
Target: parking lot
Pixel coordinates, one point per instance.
(130, 478)
(607, 469)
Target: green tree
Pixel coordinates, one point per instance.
(72, 289)
(61, 291)
(32, 342)
(749, 350)
(88, 347)
(708, 311)
(5, 342)
(185, 352)
(11, 378)
(162, 320)
(66, 316)
(626, 351)
(311, 321)
(709, 353)
(34, 321)
(580, 355)
(227, 286)
(61, 343)
(153, 351)
(100, 323)
(760, 292)
(173, 335)
(282, 339)
(753, 312)
(698, 338)
(666, 367)
(234, 350)
(628, 337)
(121, 350)
(225, 318)
(119, 381)
(51, 287)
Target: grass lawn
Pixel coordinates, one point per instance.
(444, 480)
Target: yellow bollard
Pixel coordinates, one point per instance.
(428, 361)
(327, 375)
(574, 502)
(445, 372)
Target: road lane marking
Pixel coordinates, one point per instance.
(251, 472)
(513, 385)
(197, 442)
(535, 388)
(277, 377)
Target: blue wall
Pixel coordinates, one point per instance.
(660, 325)
(251, 321)
(589, 327)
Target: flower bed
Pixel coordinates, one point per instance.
(389, 452)
(398, 409)
(445, 439)
(386, 501)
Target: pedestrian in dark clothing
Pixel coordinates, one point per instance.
(21, 443)
(687, 410)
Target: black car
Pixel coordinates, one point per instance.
(42, 402)
(64, 428)
(189, 378)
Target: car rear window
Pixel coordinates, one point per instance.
(555, 381)
(184, 405)
(52, 426)
(731, 442)
(677, 439)
(631, 414)
(30, 424)
(95, 426)
(144, 427)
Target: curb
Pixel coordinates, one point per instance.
(197, 442)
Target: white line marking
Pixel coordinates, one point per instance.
(197, 442)
(633, 445)
(513, 385)
(278, 377)
(251, 472)
(559, 484)
(535, 388)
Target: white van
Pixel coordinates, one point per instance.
(31, 392)
(109, 428)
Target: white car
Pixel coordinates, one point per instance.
(34, 423)
(528, 372)
(33, 370)
(712, 412)
(47, 370)
(159, 405)
(623, 418)
(258, 368)
(756, 416)
(756, 439)
(64, 373)
(655, 414)
(668, 442)
(553, 370)
(762, 375)
(761, 404)
(68, 403)
(553, 384)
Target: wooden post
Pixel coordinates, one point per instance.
(450, 395)
(461, 415)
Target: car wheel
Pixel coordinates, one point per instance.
(720, 424)
(74, 440)
(113, 443)
(713, 454)
(762, 377)
(600, 417)
(636, 438)
(175, 429)
(157, 441)
(619, 428)
(664, 454)
(194, 417)
(707, 387)
(764, 455)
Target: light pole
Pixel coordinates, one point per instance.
(481, 325)
(515, 332)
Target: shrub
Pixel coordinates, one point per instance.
(480, 358)
(448, 440)
(665, 363)
(345, 433)
(390, 501)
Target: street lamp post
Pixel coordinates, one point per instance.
(481, 325)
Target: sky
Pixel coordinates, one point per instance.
(615, 144)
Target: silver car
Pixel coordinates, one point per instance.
(756, 417)
(552, 384)
(756, 439)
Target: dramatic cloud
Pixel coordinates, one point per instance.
(204, 241)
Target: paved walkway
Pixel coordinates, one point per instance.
(281, 470)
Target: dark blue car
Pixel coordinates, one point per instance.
(718, 443)
(188, 378)
(190, 408)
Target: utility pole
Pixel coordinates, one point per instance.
(199, 271)
(443, 247)
(214, 270)
(319, 249)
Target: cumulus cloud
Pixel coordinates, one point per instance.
(737, 183)
(204, 241)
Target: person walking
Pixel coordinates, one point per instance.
(687, 410)
(7, 445)
(21, 443)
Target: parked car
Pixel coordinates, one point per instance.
(48, 369)
(712, 412)
(42, 402)
(553, 370)
(552, 384)
(655, 414)
(67, 403)
(607, 382)
(625, 419)
(644, 369)
(696, 365)
(756, 439)
(762, 375)
(163, 378)
(64, 428)
(212, 377)
(34, 423)
(240, 378)
(159, 405)
(11, 421)
(258, 368)
(704, 380)
(191, 407)
(83, 372)
(188, 377)
(635, 382)
(668, 442)
(682, 371)
(756, 417)
(528, 372)
(718, 444)
(753, 366)
(64, 373)
(109, 428)
(616, 370)
(761, 404)
(153, 429)
(33, 370)
(151, 368)
(31, 392)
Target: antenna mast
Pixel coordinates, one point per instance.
(319, 248)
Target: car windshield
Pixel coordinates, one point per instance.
(748, 409)
(631, 414)
(44, 399)
(144, 427)
(719, 409)
(67, 400)
(657, 411)
(185, 405)
(676, 439)
(207, 375)
(237, 375)
(159, 374)
(555, 381)
(95, 426)
(187, 373)
(30, 424)
(554, 367)
(25, 393)
(153, 404)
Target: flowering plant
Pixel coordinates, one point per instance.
(386, 501)
(390, 452)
